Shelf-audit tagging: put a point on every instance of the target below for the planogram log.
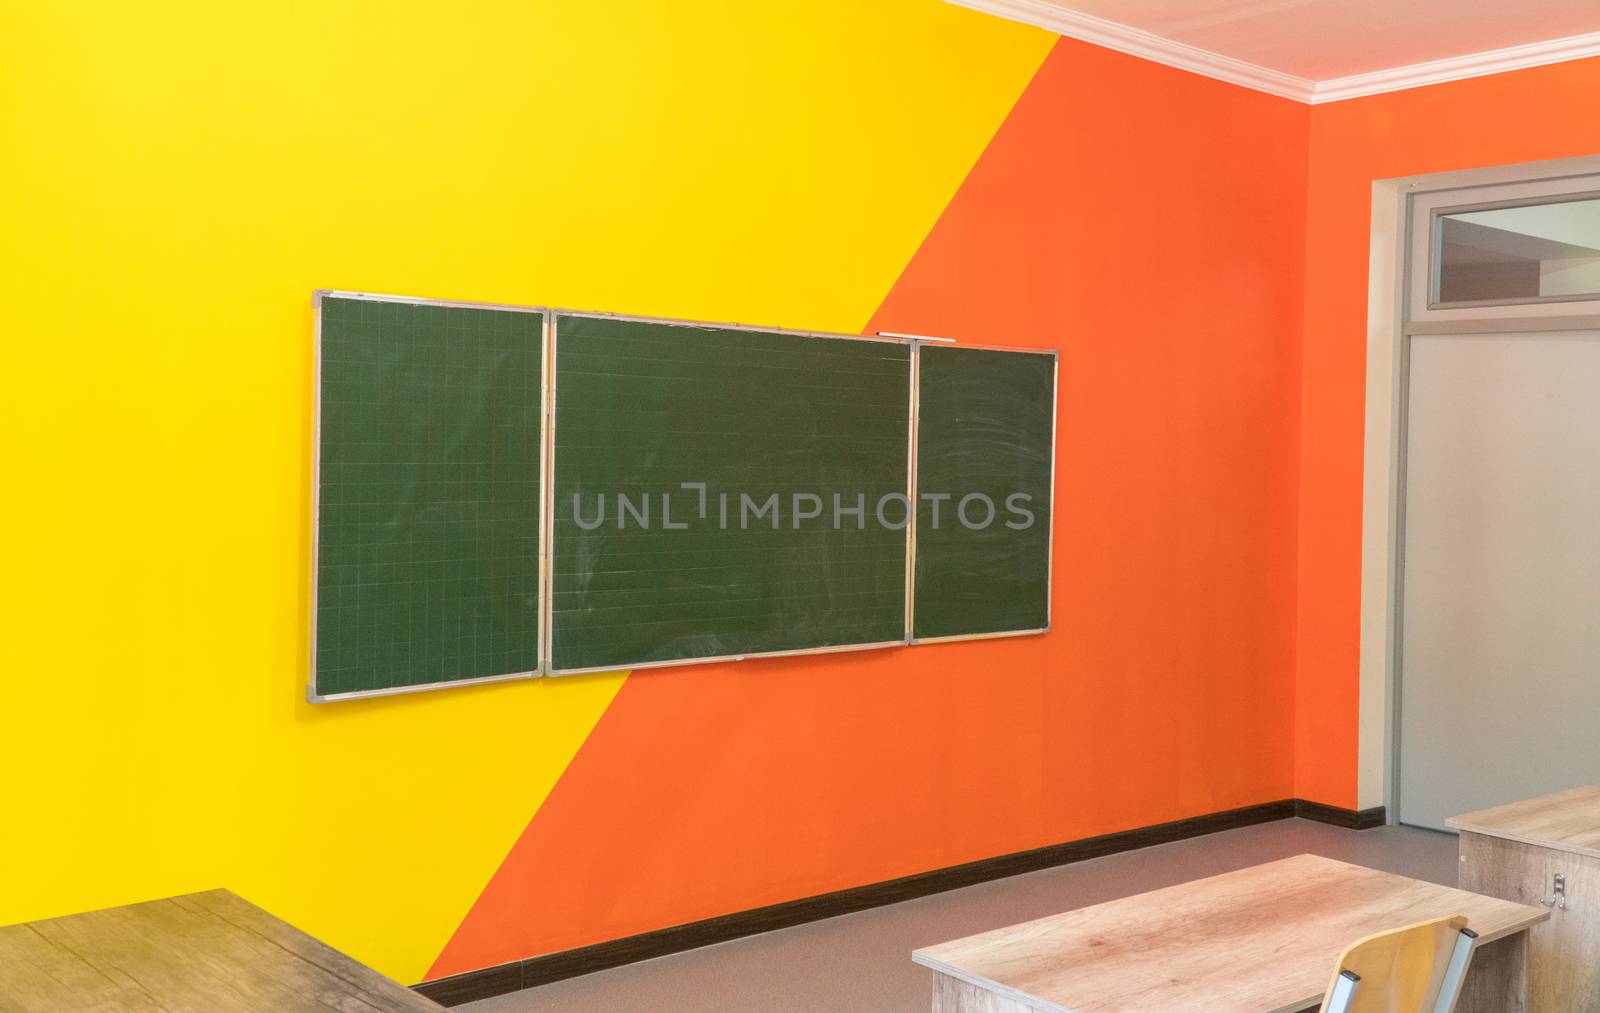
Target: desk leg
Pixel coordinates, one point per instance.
(952, 995)
(1497, 982)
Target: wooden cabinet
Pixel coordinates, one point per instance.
(1517, 852)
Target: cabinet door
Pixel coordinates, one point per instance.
(1564, 953)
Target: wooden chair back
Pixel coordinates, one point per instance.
(1416, 969)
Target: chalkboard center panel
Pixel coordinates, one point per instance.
(723, 492)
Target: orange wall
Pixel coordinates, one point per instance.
(1149, 223)
(1547, 112)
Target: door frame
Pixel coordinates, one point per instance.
(1390, 326)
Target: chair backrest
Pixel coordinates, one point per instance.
(1417, 969)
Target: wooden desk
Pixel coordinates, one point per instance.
(1515, 851)
(1261, 940)
(201, 953)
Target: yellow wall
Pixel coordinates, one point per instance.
(177, 179)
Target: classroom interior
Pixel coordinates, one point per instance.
(1104, 506)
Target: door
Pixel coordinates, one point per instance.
(1500, 643)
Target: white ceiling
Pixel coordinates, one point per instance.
(1326, 48)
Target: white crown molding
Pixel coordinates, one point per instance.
(1457, 68)
(1148, 45)
(1160, 49)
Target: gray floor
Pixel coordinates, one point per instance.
(862, 962)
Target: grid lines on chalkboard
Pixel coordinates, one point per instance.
(428, 494)
(986, 425)
(643, 407)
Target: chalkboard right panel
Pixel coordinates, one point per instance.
(985, 445)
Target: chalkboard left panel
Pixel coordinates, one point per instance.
(427, 509)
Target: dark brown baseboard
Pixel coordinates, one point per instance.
(1349, 819)
(542, 970)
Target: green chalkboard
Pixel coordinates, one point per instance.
(985, 435)
(427, 514)
(709, 447)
